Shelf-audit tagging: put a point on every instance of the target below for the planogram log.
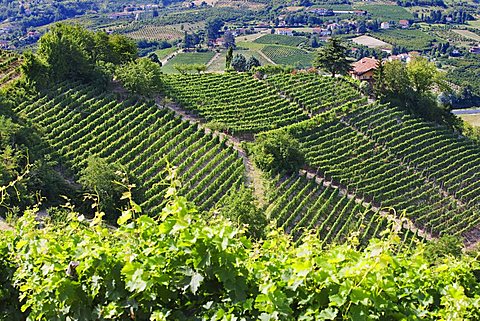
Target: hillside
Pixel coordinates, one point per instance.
(309, 200)
(78, 121)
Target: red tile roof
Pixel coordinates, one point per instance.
(364, 65)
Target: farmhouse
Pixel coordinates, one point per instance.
(364, 68)
(385, 25)
(322, 32)
(404, 23)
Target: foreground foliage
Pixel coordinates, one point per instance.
(178, 266)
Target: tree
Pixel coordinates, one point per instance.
(239, 62)
(277, 152)
(212, 27)
(121, 49)
(333, 58)
(229, 57)
(229, 39)
(379, 85)
(410, 87)
(72, 52)
(199, 68)
(252, 62)
(188, 41)
(142, 77)
(397, 87)
(99, 178)
(154, 58)
(424, 75)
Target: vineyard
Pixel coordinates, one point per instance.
(78, 121)
(237, 102)
(385, 12)
(313, 93)
(155, 33)
(299, 204)
(378, 154)
(187, 58)
(288, 56)
(9, 63)
(392, 159)
(410, 39)
(291, 41)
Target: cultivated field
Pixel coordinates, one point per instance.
(472, 119)
(468, 34)
(84, 121)
(155, 33)
(291, 41)
(408, 38)
(218, 65)
(188, 58)
(291, 56)
(371, 42)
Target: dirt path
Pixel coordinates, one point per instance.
(170, 56)
(213, 59)
(266, 57)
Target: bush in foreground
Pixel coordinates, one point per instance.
(178, 266)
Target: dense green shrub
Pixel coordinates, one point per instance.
(179, 266)
(277, 152)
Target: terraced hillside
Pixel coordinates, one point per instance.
(314, 93)
(244, 104)
(300, 204)
(9, 67)
(78, 121)
(238, 101)
(396, 160)
(377, 154)
(381, 154)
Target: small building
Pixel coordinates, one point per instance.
(385, 25)
(219, 42)
(322, 32)
(404, 23)
(284, 31)
(364, 68)
(403, 57)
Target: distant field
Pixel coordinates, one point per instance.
(472, 119)
(188, 58)
(371, 42)
(468, 34)
(240, 4)
(410, 39)
(163, 53)
(288, 56)
(338, 7)
(281, 40)
(385, 12)
(156, 33)
(474, 23)
(248, 38)
(218, 65)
